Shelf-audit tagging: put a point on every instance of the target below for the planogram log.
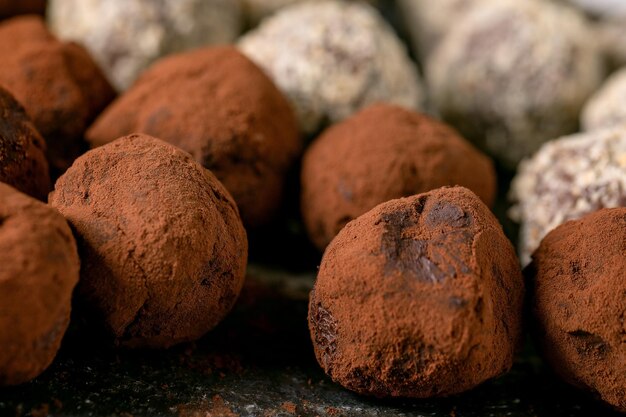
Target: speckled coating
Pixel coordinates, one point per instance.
(126, 36)
(333, 58)
(567, 179)
(38, 271)
(23, 163)
(162, 246)
(607, 106)
(515, 74)
(419, 297)
(579, 303)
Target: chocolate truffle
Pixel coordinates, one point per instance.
(419, 297)
(579, 303)
(514, 74)
(23, 162)
(333, 58)
(10, 8)
(607, 107)
(162, 246)
(38, 270)
(381, 153)
(568, 178)
(58, 84)
(257, 10)
(217, 105)
(126, 36)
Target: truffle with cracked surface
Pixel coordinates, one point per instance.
(342, 58)
(220, 107)
(38, 271)
(381, 153)
(515, 74)
(567, 179)
(126, 36)
(23, 163)
(607, 107)
(579, 303)
(419, 297)
(162, 246)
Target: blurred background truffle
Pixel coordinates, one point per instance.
(332, 58)
(566, 179)
(514, 74)
(126, 36)
(58, 84)
(607, 106)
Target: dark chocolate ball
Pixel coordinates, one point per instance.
(162, 246)
(23, 163)
(579, 302)
(221, 108)
(38, 271)
(419, 297)
(381, 153)
(58, 84)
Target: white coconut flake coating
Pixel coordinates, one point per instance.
(332, 58)
(567, 179)
(513, 74)
(607, 107)
(126, 36)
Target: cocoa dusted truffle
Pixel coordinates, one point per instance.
(579, 303)
(23, 162)
(126, 36)
(217, 105)
(162, 246)
(381, 153)
(419, 297)
(514, 74)
(607, 107)
(58, 84)
(38, 271)
(566, 179)
(332, 58)
(10, 8)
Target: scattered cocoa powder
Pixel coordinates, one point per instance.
(162, 246)
(217, 105)
(10, 8)
(419, 297)
(58, 84)
(579, 302)
(23, 163)
(381, 153)
(38, 270)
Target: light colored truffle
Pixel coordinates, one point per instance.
(125, 36)
(607, 107)
(600, 8)
(515, 74)
(332, 58)
(611, 37)
(567, 179)
(257, 10)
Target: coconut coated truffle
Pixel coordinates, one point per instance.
(568, 178)
(515, 74)
(607, 107)
(162, 246)
(126, 36)
(333, 58)
(221, 108)
(23, 163)
(419, 297)
(38, 272)
(381, 153)
(58, 84)
(579, 303)
(257, 10)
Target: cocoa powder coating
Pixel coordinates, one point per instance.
(579, 302)
(381, 153)
(419, 297)
(217, 105)
(58, 84)
(38, 270)
(162, 246)
(23, 163)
